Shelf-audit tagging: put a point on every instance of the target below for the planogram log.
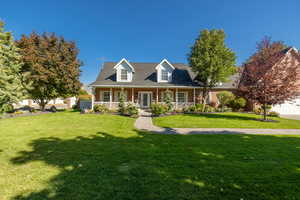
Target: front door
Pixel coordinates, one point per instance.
(145, 99)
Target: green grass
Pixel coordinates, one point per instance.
(224, 120)
(73, 157)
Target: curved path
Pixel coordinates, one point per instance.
(144, 122)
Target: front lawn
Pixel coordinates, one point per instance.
(82, 157)
(224, 120)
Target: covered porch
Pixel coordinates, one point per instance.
(143, 97)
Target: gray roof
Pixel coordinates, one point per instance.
(145, 75)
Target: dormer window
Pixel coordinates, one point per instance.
(164, 71)
(124, 75)
(124, 71)
(164, 75)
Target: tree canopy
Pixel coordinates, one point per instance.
(11, 87)
(211, 60)
(270, 76)
(53, 65)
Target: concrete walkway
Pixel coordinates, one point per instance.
(144, 122)
(296, 117)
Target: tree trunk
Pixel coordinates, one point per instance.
(204, 97)
(265, 112)
(42, 104)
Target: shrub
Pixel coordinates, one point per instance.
(168, 100)
(131, 110)
(273, 114)
(7, 108)
(121, 106)
(190, 109)
(99, 108)
(53, 109)
(199, 107)
(237, 104)
(257, 111)
(224, 98)
(158, 109)
(209, 108)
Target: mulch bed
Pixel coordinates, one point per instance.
(13, 115)
(267, 120)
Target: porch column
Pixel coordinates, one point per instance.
(156, 95)
(110, 98)
(194, 96)
(93, 97)
(132, 95)
(176, 96)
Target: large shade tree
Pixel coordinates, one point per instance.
(270, 76)
(11, 87)
(211, 60)
(53, 64)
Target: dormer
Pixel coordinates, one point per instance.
(164, 71)
(124, 71)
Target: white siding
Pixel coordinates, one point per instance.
(125, 66)
(168, 68)
(289, 107)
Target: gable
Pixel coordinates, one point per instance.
(164, 67)
(124, 71)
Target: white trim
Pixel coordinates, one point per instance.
(150, 96)
(164, 60)
(124, 60)
(185, 96)
(110, 98)
(101, 95)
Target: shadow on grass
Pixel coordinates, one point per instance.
(223, 116)
(150, 166)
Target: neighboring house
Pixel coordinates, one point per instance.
(292, 106)
(146, 83)
(58, 102)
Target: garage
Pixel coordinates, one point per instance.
(291, 107)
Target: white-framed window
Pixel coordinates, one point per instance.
(164, 75)
(182, 97)
(124, 75)
(106, 96)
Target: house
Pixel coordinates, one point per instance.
(146, 83)
(290, 56)
(292, 106)
(58, 102)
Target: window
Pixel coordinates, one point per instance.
(164, 75)
(181, 97)
(123, 74)
(106, 96)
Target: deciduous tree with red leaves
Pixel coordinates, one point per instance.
(53, 65)
(270, 75)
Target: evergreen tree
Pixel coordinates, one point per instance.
(211, 60)
(11, 88)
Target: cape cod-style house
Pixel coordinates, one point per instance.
(146, 83)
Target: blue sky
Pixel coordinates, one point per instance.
(148, 31)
